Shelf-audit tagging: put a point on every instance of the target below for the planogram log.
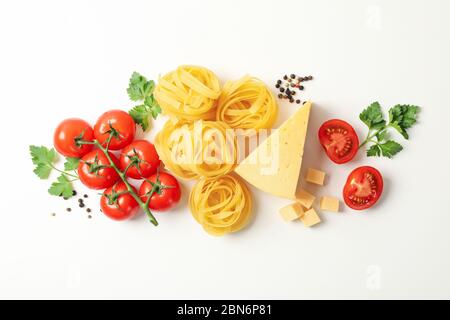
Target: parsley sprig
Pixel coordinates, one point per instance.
(141, 90)
(44, 160)
(401, 118)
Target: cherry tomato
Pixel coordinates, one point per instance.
(68, 133)
(363, 188)
(117, 204)
(118, 123)
(94, 170)
(144, 156)
(163, 198)
(339, 140)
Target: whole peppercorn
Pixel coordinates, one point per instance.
(310, 77)
(301, 87)
(285, 77)
(281, 89)
(278, 81)
(297, 101)
(291, 100)
(277, 86)
(292, 76)
(280, 95)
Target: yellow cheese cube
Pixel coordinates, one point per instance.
(292, 211)
(315, 176)
(310, 218)
(329, 204)
(305, 198)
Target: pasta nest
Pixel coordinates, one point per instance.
(189, 92)
(197, 149)
(221, 205)
(248, 104)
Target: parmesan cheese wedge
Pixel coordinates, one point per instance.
(274, 166)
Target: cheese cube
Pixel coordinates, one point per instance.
(315, 176)
(329, 204)
(305, 198)
(292, 212)
(310, 218)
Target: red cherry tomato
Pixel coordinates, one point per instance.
(363, 188)
(339, 140)
(163, 198)
(120, 124)
(68, 133)
(94, 170)
(144, 156)
(117, 204)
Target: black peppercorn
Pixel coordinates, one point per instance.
(88, 210)
(68, 209)
(291, 100)
(285, 77)
(301, 87)
(293, 93)
(277, 86)
(74, 193)
(310, 77)
(278, 81)
(81, 205)
(292, 76)
(281, 89)
(297, 101)
(280, 96)
(85, 196)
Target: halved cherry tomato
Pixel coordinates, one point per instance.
(167, 191)
(363, 188)
(95, 171)
(117, 204)
(118, 123)
(143, 158)
(68, 133)
(339, 140)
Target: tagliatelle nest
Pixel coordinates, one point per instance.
(221, 205)
(248, 104)
(189, 92)
(197, 149)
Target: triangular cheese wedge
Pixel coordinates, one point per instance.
(274, 166)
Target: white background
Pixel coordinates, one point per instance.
(61, 59)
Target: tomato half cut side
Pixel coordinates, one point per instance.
(363, 188)
(339, 140)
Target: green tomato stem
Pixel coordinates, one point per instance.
(122, 175)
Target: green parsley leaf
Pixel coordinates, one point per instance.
(61, 187)
(143, 112)
(153, 106)
(43, 158)
(139, 87)
(374, 151)
(402, 117)
(382, 135)
(140, 115)
(71, 164)
(372, 116)
(390, 148)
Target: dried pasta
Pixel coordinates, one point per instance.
(221, 205)
(248, 104)
(189, 92)
(197, 149)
